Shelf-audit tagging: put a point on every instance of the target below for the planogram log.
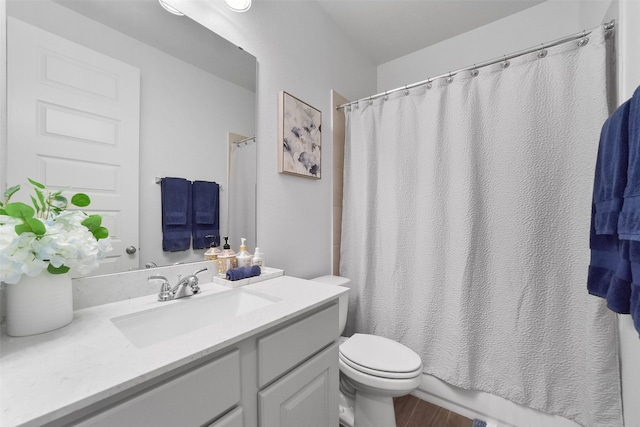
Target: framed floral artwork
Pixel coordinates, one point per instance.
(300, 137)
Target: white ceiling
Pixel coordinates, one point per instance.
(389, 29)
(179, 36)
(382, 29)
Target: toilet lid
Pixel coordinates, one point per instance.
(375, 353)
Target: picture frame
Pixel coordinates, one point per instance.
(299, 137)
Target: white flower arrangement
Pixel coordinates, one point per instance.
(48, 236)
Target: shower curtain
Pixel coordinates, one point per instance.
(242, 193)
(466, 230)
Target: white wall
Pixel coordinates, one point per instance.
(183, 124)
(628, 80)
(300, 50)
(543, 23)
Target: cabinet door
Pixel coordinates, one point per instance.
(308, 396)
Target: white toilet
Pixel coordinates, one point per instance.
(373, 370)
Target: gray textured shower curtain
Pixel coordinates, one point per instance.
(466, 225)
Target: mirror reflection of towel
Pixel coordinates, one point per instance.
(176, 214)
(206, 213)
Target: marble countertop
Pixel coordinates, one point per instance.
(47, 376)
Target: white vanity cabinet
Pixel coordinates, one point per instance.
(285, 375)
(307, 395)
(193, 398)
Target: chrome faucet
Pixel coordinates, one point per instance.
(186, 287)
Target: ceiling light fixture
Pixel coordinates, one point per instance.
(238, 5)
(170, 8)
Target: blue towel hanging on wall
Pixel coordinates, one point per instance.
(176, 214)
(614, 270)
(206, 213)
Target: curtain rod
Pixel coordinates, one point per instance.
(503, 59)
(244, 140)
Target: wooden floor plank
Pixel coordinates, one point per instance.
(404, 407)
(427, 414)
(457, 420)
(413, 412)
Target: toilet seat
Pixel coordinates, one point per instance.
(380, 357)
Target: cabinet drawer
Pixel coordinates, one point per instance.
(285, 348)
(191, 399)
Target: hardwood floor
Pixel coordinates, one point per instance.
(413, 412)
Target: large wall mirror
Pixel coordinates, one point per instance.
(195, 98)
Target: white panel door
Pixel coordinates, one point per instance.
(73, 123)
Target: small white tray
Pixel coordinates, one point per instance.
(266, 274)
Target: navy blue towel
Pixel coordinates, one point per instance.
(176, 214)
(206, 213)
(614, 270)
(243, 272)
(478, 423)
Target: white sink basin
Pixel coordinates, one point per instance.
(148, 327)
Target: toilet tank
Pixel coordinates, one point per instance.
(343, 302)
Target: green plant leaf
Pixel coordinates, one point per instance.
(11, 191)
(100, 233)
(2, 211)
(33, 225)
(58, 201)
(37, 227)
(36, 183)
(40, 197)
(80, 200)
(57, 270)
(35, 204)
(19, 210)
(22, 228)
(92, 222)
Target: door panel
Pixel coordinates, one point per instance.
(73, 123)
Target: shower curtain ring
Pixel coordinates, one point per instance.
(584, 40)
(542, 52)
(429, 85)
(475, 71)
(386, 96)
(506, 63)
(370, 101)
(450, 78)
(406, 91)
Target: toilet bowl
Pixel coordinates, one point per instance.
(373, 370)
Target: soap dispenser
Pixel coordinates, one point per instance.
(212, 253)
(244, 257)
(226, 259)
(258, 258)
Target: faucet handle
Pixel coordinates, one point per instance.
(200, 271)
(193, 281)
(165, 288)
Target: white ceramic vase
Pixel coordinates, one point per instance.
(38, 304)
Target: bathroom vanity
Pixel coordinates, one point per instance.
(264, 354)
